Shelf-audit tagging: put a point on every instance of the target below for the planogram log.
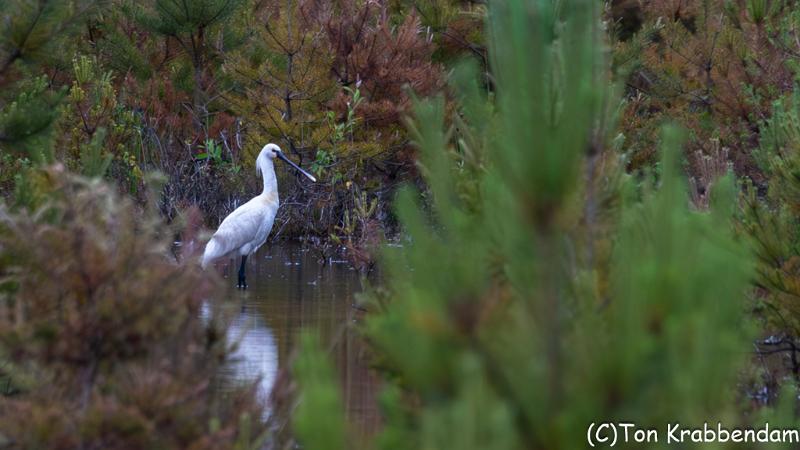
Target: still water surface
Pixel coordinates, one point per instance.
(289, 290)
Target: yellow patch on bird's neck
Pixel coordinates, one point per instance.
(270, 197)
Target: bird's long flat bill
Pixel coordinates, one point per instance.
(288, 161)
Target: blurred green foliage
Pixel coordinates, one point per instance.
(504, 326)
(320, 398)
(539, 287)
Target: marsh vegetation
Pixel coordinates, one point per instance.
(532, 215)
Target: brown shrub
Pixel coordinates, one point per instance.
(102, 331)
(709, 65)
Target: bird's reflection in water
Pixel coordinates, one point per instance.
(289, 291)
(256, 353)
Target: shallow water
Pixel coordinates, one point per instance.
(289, 290)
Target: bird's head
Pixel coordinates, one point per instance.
(272, 151)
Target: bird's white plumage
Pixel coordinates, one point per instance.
(247, 227)
(244, 230)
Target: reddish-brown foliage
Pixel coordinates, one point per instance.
(382, 59)
(105, 329)
(710, 66)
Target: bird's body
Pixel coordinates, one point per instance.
(244, 230)
(247, 227)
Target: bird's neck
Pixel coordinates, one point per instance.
(268, 173)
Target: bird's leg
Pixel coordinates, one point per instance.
(242, 282)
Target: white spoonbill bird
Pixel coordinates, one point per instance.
(247, 227)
